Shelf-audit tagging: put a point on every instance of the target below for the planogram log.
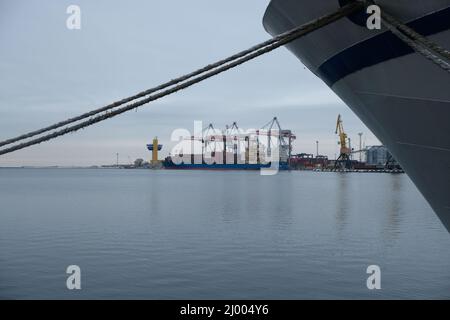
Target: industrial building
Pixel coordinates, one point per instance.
(380, 157)
(377, 155)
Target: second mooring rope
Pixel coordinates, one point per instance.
(419, 43)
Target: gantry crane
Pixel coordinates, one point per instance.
(273, 129)
(344, 155)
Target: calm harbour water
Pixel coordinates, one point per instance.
(217, 235)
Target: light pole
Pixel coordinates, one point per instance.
(360, 146)
(350, 147)
(117, 159)
(317, 148)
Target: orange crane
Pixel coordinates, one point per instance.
(345, 151)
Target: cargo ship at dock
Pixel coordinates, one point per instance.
(232, 148)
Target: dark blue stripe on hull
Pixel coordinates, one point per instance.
(383, 47)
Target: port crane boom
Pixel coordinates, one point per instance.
(345, 151)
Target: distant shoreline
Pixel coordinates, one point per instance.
(68, 167)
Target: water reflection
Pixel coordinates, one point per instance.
(301, 234)
(392, 226)
(342, 202)
(282, 214)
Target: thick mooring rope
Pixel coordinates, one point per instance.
(415, 36)
(180, 83)
(419, 43)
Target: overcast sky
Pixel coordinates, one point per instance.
(49, 73)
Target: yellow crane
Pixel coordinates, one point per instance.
(345, 151)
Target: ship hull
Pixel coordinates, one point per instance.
(403, 98)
